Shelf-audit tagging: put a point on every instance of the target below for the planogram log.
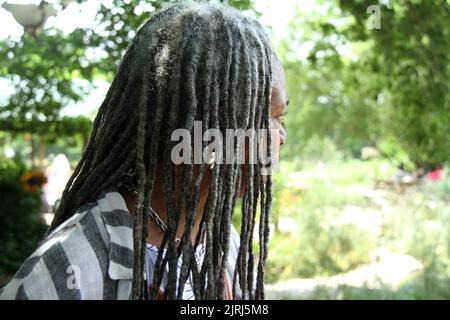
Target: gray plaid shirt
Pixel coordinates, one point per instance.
(90, 256)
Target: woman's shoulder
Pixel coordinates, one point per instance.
(68, 259)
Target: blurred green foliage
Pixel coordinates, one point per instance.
(21, 225)
(55, 69)
(327, 241)
(360, 86)
(319, 245)
(43, 72)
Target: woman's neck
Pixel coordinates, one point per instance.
(157, 203)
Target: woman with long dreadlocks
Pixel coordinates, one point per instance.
(134, 224)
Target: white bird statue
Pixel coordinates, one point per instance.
(30, 16)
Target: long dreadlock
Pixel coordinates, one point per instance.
(189, 62)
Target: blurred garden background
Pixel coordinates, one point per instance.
(361, 207)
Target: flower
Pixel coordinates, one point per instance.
(32, 181)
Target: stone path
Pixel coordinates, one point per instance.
(390, 269)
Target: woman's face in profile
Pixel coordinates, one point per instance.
(279, 107)
(276, 122)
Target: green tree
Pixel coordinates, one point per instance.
(52, 70)
(364, 86)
